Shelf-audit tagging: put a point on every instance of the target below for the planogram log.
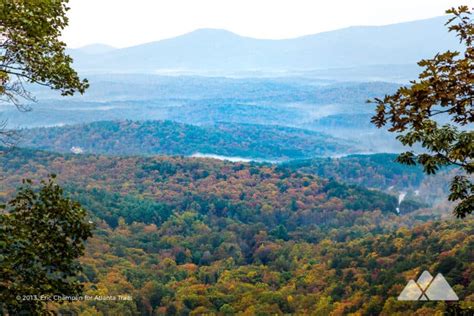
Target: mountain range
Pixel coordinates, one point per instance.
(219, 51)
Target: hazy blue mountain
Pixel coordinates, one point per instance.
(89, 51)
(94, 49)
(219, 51)
(268, 91)
(293, 102)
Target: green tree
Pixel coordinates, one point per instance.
(31, 52)
(444, 92)
(42, 234)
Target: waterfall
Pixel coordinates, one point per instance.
(401, 197)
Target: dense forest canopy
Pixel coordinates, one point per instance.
(242, 190)
(31, 50)
(196, 236)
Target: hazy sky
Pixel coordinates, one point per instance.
(122, 23)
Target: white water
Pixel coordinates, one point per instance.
(231, 159)
(228, 158)
(401, 197)
(77, 150)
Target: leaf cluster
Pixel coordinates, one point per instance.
(444, 92)
(31, 49)
(41, 236)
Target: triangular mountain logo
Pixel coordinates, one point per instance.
(427, 288)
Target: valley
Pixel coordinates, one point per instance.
(213, 173)
(247, 196)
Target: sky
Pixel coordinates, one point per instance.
(124, 23)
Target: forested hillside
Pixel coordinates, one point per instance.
(239, 190)
(196, 236)
(166, 137)
(379, 171)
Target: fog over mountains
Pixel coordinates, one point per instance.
(319, 83)
(219, 51)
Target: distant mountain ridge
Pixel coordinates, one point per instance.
(210, 50)
(94, 49)
(171, 138)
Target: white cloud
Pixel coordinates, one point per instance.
(124, 23)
